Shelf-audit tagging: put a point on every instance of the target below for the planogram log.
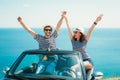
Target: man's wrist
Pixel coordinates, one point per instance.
(21, 22)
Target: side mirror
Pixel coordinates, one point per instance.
(5, 70)
(98, 75)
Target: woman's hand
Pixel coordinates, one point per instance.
(99, 18)
(64, 13)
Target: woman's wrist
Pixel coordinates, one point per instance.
(95, 23)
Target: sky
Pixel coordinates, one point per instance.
(37, 13)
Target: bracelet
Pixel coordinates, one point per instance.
(95, 23)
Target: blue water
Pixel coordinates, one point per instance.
(103, 47)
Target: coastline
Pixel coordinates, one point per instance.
(114, 78)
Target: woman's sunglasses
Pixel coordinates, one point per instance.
(75, 32)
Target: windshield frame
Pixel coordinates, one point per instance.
(21, 57)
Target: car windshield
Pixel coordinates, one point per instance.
(52, 66)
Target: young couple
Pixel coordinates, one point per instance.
(78, 38)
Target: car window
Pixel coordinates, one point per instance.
(60, 65)
(69, 65)
(27, 63)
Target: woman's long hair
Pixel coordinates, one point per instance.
(82, 37)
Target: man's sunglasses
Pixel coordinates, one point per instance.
(48, 29)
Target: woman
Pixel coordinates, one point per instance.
(79, 41)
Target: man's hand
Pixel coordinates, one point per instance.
(64, 13)
(19, 19)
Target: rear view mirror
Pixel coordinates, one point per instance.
(98, 75)
(5, 70)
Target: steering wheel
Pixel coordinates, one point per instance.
(67, 72)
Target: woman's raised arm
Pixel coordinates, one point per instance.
(93, 26)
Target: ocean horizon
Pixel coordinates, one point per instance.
(103, 47)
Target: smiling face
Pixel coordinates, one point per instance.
(77, 34)
(47, 30)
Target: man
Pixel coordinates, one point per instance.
(45, 42)
(48, 40)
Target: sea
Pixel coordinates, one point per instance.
(103, 47)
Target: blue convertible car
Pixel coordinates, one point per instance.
(47, 65)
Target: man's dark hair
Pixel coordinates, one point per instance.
(47, 26)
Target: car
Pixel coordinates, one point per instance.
(47, 65)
